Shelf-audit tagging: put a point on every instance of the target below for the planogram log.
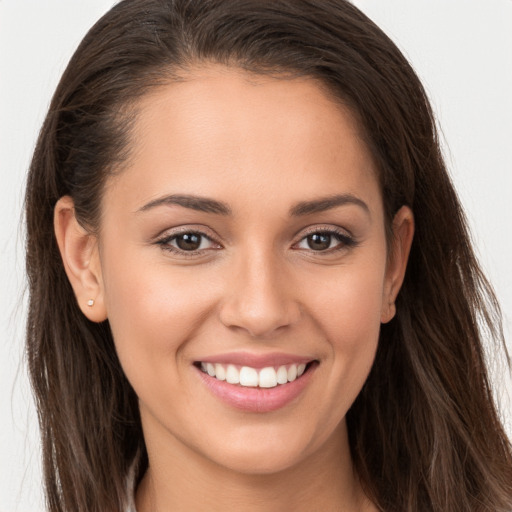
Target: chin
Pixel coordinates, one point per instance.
(267, 451)
(260, 462)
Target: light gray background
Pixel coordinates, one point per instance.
(462, 49)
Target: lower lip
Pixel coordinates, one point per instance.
(256, 399)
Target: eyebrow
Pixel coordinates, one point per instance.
(202, 204)
(205, 204)
(327, 203)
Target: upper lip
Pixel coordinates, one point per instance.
(256, 360)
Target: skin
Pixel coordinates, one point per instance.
(260, 146)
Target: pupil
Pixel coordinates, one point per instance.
(188, 241)
(319, 241)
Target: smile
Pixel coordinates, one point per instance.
(256, 384)
(246, 376)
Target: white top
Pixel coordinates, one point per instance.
(131, 506)
(130, 485)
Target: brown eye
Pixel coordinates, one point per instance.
(188, 241)
(319, 241)
(327, 241)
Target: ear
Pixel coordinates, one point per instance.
(80, 255)
(403, 232)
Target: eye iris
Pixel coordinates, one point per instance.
(319, 241)
(188, 241)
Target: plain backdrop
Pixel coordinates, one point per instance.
(462, 50)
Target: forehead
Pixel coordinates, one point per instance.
(223, 130)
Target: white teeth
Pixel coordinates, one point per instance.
(220, 372)
(210, 369)
(248, 376)
(292, 373)
(282, 375)
(267, 377)
(232, 374)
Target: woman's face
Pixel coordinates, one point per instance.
(247, 232)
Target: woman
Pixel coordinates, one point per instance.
(244, 247)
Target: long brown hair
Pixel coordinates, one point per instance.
(424, 431)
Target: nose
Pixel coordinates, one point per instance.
(260, 299)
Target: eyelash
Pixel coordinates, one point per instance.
(166, 241)
(345, 241)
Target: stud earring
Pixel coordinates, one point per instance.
(90, 303)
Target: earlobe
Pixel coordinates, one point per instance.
(80, 256)
(403, 233)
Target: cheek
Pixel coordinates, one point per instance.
(349, 304)
(349, 312)
(152, 312)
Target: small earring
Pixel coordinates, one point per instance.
(90, 303)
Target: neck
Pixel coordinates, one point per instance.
(180, 481)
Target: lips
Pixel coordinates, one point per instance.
(256, 383)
